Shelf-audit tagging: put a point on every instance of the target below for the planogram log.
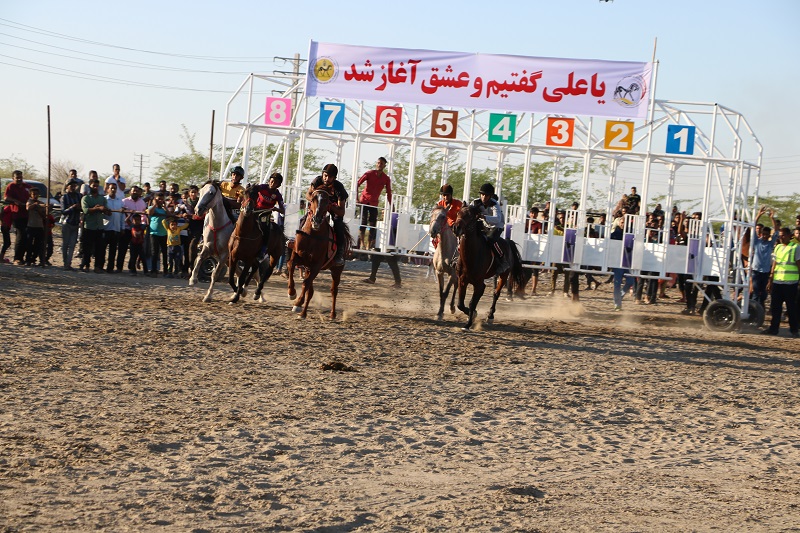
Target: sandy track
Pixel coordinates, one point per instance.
(132, 406)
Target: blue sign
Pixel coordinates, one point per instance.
(680, 139)
(331, 116)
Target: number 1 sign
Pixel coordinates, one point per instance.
(680, 139)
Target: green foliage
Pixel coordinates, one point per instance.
(10, 164)
(785, 208)
(191, 168)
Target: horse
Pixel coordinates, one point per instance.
(217, 229)
(443, 257)
(245, 245)
(477, 263)
(313, 252)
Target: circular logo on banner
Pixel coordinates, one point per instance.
(325, 70)
(630, 91)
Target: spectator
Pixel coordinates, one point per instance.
(113, 225)
(138, 234)
(762, 264)
(174, 248)
(147, 193)
(634, 201)
(533, 225)
(132, 204)
(94, 206)
(84, 187)
(377, 259)
(35, 234)
(195, 227)
(6, 223)
(117, 180)
(782, 284)
(70, 222)
(16, 195)
(158, 233)
(375, 180)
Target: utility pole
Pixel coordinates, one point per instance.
(141, 162)
(296, 62)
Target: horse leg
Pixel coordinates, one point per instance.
(462, 293)
(231, 274)
(336, 275)
(290, 275)
(308, 292)
(501, 281)
(451, 284)
(442, 294)
(216, 275)
(264, 272)
(202, 256)
(477, 292)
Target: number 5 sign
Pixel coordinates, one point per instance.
(387, 120)
(279, 111)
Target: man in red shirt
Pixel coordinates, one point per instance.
(16, 195)
(376, 180)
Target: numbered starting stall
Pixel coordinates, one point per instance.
(599, 117)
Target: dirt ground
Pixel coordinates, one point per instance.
(130, 405)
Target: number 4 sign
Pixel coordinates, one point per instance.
(279, 111)
(387, 120)
(680, 139)
(502, 128)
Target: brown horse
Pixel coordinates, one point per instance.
(477, 263)
(245, 246)
(314, 251)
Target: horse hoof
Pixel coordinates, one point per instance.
(296, 308)
(292, 295)
(465, 330)
(207, 299)
(490, 320)
(191, 283)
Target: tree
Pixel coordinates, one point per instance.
(59, 173)
(10, 164)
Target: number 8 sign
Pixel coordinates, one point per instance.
(387, 120)
(279, 111)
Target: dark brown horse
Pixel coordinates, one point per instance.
(477, 263)
(245, 246)
(313, 251)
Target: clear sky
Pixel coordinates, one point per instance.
(119, 80)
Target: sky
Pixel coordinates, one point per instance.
(123, 78)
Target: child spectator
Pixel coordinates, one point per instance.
(35, 229)
(174, 248)
(138, 230)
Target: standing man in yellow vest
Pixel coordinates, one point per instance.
(783, 281)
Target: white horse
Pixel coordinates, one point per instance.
(443, 257)
(217, 229)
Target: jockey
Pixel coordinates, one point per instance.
(338, 199)
(493, 224)
(233, 189)
(269, 198)
(447, 201)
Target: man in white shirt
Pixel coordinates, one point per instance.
(113, 224)
(132, 204)
(118, 180)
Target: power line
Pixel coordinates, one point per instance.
(121, 62)
(40, 31)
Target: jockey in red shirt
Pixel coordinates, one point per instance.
(269, 199)
(453, 206)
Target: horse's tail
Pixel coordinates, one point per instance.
(348, 240)
(517, 278)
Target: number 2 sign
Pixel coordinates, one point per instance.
(387, 120)
(619, 135)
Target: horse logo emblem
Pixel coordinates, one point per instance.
(325, 70)
(630, 91)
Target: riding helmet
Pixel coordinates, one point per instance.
(331, 170)
(446, 189)
(487, 189)
(238, 170)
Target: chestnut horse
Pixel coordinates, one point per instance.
(313, 251)
(245, 246)
(443, 257)
(477, 263)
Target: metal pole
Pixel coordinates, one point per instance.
(49, 165)
(211, 146)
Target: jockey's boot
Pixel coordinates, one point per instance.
(338, 260)
(262, 255)
(502, 260)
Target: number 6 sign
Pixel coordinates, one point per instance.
(387, 120)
